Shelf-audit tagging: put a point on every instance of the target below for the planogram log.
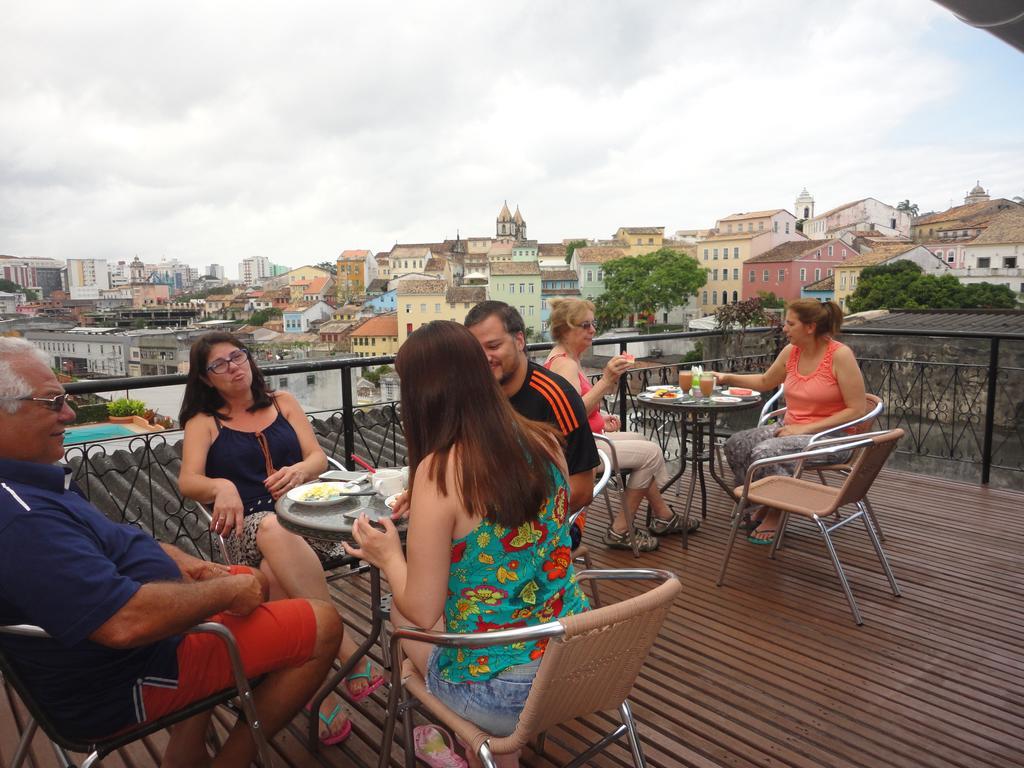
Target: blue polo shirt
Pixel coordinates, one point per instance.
(67, 568)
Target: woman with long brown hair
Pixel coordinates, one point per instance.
(824, 388)
(487, 545)
(245, 446)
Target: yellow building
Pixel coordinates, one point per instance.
(961, 221)
(735, 239)
(639, 240)
(377, 336)
(418, 301)
(352, 271)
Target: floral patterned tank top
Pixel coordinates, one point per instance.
(503, 578)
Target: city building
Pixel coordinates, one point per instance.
(639, 240)
(961, 221)
(588, 264)
(88, 352)
(847, 274)
(555, 283)
(788, 267)
(803, 206)
(300, 318)
(509, 226)
(254, 270)
(216, 271)
(408, 260)
(867, 213)
(37, 274)
(375, 337)
(735, 239)
(9, 302)
(87, 277)
(518, 283)
(823, 290)
(996, 255)
(419, 300)
(356, 270)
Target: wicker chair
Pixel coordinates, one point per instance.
(820, 503)
(590, 664)
(96, 749)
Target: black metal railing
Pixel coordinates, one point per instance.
(961, 408)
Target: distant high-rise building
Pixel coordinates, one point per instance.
(279, 269)
(254, 269)
(215, 270)
(87, 277)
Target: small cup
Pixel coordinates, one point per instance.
(389, 481)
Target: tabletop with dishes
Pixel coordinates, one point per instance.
(327, 508)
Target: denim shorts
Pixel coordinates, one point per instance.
(493, 704)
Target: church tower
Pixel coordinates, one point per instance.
(803, 208)
(503, 230)
(519, 225)
(976, 195)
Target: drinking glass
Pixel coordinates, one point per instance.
(685, 381)
(707, 384)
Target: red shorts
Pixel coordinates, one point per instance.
(276, 635)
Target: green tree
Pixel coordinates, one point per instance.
(571, 247)
(610, 311)
(909, 207)
(740, 315)
(662, 279)
(373, 375)
(262, 316)
(328, 266)
(903, 285)
(8, 286)
(770, 301)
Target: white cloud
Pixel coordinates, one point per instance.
(215, 131)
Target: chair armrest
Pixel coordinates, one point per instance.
(770, 415)
(867, 417)
(228, 638)
(825, 448)
(23, 630)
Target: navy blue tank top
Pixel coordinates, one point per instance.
(242, 458)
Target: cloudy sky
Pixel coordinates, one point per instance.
(209, 132)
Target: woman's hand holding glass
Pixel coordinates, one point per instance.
(376, 546)
(227, 509)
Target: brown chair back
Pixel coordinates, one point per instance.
(593, 666)
(866, 466)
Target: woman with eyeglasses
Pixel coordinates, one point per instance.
(572, 326)
(245, 446)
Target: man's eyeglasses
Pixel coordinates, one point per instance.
(588, 325)
(56, 403)
(237, 357)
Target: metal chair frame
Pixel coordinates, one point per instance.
(582, 553)
(96, 749)
(867, 442)
(619, 488)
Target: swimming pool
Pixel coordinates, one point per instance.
(92, 432)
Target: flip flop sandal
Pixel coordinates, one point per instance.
(331, 739)
(373, 683)
(762, 542)
(434, 747)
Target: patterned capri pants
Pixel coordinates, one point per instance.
(746, 447)
(242, 549)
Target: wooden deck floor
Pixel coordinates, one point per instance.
(770, 669)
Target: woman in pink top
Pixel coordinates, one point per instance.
(572, 327)
(824, 388)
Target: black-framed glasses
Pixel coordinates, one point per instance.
(587, 325)
(237, 357)
(55, 403)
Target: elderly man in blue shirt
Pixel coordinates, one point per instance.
(115, 601)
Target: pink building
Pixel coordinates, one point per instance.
(788, 267)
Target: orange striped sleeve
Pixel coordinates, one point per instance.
(558, 401)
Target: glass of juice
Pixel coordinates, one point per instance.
(685, 380)
(707, 384)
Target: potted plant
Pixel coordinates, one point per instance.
(123, 410)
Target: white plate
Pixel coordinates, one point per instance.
(669, 387)
(726, 399)
(741, 392)
(669, 395)
(319, 494)
(389, 502)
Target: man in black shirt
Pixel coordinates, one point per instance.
(536, 392)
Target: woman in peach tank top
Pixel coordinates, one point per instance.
(824, 388)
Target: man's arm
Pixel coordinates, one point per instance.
(581, 489)
(161, 609)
